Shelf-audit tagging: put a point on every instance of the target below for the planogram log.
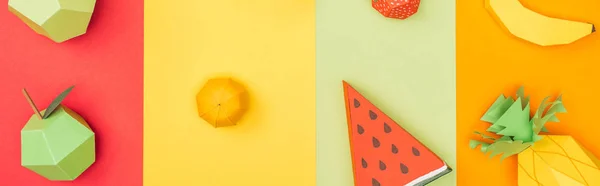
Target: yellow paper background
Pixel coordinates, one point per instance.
(269, 46)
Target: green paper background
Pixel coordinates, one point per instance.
(405, 67)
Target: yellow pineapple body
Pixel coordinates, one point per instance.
(558, 160)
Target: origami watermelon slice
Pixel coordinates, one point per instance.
(383, 153)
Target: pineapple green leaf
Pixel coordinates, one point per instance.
(495, 128)
(515, 122)
(540, 119)
(556, 107)
(540, 111)
(512, 121)
(544, 129)
(536, 138)
(553, 118)
(507, 148)
(521, 94)
(484, 136)
(474, 143)
(56, 102)
(497, 109)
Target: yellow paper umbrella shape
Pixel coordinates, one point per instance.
(222, 102)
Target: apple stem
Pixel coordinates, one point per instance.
(35, 110)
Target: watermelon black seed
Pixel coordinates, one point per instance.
(356, 103)
(387, 128)
(416, 152)
(382, 165)
(376, 142)
(360, 129)
(364, 163)
(375, 182)
(394, 149)
(372, 115)
(403, 168)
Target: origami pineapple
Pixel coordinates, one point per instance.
(550, 160)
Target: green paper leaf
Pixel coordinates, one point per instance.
(474, 143)
(536, 138)
(541, 108)
(511, 120)
(515, 122)
(553, 118)
(484, 136)
(557, 107)
(537, 119)
(540, 120)
(505, 138)
(497, 109)
(56, 102)
(495, 128)
(507, 148)
(521, 94)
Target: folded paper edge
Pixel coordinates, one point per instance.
(431, 176)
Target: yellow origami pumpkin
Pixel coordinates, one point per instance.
(548, 160)
(222, 102)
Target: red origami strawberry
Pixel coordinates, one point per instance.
(383, 153)
(399, 9)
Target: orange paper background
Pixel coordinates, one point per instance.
(490, 61)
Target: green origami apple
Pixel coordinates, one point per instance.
(59, 144)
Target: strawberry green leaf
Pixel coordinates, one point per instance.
(56, 102)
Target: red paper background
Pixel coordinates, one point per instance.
(106, 67)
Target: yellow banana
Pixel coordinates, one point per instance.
(534, 27)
